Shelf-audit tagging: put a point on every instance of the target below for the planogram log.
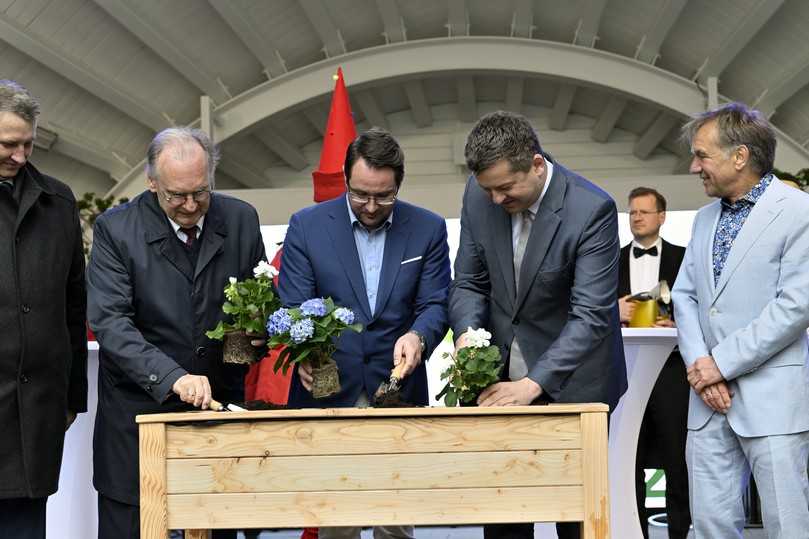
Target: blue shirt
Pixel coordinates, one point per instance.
(371, 250)
(731, 220)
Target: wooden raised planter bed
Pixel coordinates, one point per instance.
(372, 466)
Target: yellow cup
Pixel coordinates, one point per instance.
(645, 314)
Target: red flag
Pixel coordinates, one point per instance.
(329, 180)
(262, 382)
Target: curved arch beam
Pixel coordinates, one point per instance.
(527, 57)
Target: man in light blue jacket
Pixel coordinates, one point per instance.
(742, 302)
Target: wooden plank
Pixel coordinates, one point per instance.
(551, 409)
(358, 436)
(375, 472)
(197, 534)
(152, 456)
(596, 485)
(376, 507)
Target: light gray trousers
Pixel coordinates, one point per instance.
(719, 465)
(380, 532)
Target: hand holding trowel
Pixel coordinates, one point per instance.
(408, 350)
(388, 391)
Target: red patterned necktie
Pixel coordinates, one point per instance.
(190, 235)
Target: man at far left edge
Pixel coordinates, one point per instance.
(43, 340)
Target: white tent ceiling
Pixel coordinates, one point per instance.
(618, 76)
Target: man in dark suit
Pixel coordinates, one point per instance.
(43, 338)
(385, 259)
(537, 265)
(644, 262)
(155, 285)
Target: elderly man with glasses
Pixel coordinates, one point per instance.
(385, 259)
(155, 282)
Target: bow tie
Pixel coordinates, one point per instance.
(638, 252)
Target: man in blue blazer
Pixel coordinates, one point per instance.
(742, 303)
(385, 259)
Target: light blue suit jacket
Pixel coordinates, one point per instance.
(753, 322)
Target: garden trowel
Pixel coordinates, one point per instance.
(217, 406)
(388, 391)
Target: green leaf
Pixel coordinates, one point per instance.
(451, 400)
(218, 333)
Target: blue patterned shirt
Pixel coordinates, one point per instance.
(731, 221)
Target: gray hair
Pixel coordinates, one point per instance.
(738, 125)
(15, 98)
(502, 135)
(179, 139)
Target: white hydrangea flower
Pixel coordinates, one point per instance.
(478, 338)
(232, 280)
(265, 269)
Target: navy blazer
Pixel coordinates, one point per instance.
(320, 260)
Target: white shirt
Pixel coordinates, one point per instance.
(516, 218)
(644, 272)
(181, 234)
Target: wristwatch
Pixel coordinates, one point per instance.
(422, 340)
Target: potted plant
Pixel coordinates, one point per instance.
(474, 368)
(248, 304)
(308, 333)
(90, 207)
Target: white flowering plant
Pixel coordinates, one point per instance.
(474, 368)
(308, 332)
(248, 302)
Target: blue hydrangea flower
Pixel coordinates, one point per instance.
(313, 307)
(302, 330)
(346, 316)
(279, 322)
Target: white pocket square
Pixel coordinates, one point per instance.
(409, 260)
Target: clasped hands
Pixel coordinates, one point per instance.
(706, 379)
(519, 392)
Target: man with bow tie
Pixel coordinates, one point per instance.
(644, 262)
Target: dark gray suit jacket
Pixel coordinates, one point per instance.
(565, 317)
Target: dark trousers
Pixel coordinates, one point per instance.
(662, 443)
(565, 530)
(22, 518)
(117, 520)
(525, 530)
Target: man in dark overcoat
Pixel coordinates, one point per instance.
(43, 342)
(155, 281)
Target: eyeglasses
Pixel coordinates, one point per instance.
(642, 213)
(178, 199)
(386, 200)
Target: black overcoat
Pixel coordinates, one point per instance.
(43, 338)
(150, 308)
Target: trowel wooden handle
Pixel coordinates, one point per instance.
(216, 406)
(397, 371)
